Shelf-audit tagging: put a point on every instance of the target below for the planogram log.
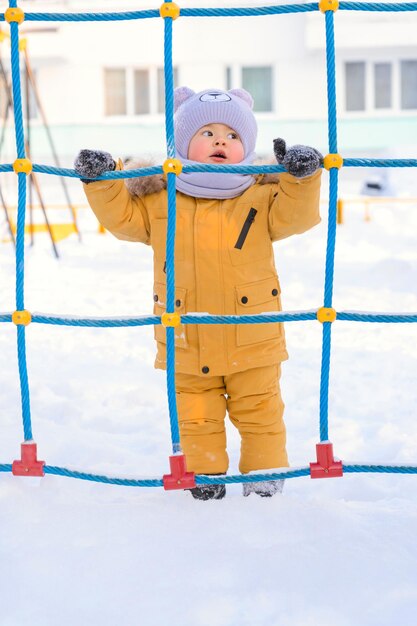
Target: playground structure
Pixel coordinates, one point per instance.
(325, 464)
(369, 203)
(55, 231)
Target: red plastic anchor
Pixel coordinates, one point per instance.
(179, 478)
(326, 466)
(29, 464)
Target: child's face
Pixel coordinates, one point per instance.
(216, 143)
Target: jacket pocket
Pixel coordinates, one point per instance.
(245, 228)
(159, 238)
(248, 238)
(159, 297)
(262, 296)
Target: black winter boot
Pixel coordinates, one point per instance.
(209, 492)
(265, 488)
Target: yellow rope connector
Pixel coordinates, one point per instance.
(332, 160)
(169, 9)
(172, 166)
(22, 166)
(21, 318)
(328, 5)
(326, 314)
(23, 44)
(14, 15)
(170, 319)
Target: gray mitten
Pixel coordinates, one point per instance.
(93, 163)
(300, 161)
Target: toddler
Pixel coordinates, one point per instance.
(224, 265)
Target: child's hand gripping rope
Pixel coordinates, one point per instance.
(93, 163)
(300, 161)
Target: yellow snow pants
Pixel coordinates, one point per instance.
(253, 401)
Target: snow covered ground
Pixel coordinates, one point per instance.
(331, 552)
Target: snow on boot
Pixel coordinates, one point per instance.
(265, 489)
(208, 492)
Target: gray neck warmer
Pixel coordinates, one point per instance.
(214, 185)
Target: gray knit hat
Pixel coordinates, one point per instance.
(213, 106)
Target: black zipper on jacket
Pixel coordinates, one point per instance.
(245, 228)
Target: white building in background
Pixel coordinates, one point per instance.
(101, 83)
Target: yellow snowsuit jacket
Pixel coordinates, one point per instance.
(224, 263)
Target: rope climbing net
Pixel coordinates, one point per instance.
(325, 464)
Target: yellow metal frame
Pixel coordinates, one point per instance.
(369, 202)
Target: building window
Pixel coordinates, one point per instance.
(409, 84)
(383, 85)
(161, 87)
(142, 92)
(258, 81)
(115, 91)
(134, 91)
(355, 86)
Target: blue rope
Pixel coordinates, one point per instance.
(20, 232)
(331, 237)
(386, 318)
(201, 479)
(24, 383)
(154, 13)
(331, 82)
(261, 318)
(169, 89)
(89, 17)
(250, 11)
(324, 381)
(126, 482)
(215, 12)
(17, 96)
(380, 469)
(171, 230)
(20, 243)
(170, 332)
(90, 322)
(331, 230)
(6, 168)
(380, 163)
(231, 169)
(379, 6)
(170, 245)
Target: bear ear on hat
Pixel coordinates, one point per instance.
(181, 94)
(243, 95)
